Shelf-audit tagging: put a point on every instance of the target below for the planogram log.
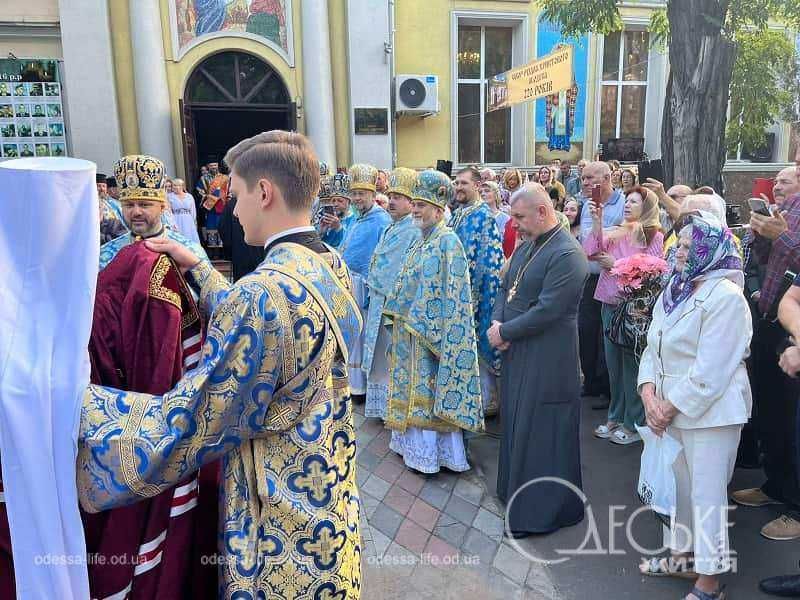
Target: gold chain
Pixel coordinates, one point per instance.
(513, 291)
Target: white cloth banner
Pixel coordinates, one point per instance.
(49, 247)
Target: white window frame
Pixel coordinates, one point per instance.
(619, 83)
(519, 23)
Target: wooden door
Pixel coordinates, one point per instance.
(189, 146)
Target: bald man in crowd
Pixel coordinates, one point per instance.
(596, 176)
(535, 322)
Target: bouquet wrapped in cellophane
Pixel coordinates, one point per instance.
(640, 278)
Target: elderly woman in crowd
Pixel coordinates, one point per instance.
(640, 233)
(694, 384)
(712, 203)
(488, 174)
(490, 192)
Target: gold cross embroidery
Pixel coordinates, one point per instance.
(325, 547)
(317, 481)
(304, 343)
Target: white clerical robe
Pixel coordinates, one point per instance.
(49, 246)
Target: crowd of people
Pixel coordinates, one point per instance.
(439, 302)
(714, 336)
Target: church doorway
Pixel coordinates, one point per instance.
(230, 96)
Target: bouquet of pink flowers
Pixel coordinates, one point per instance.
(641, 279)
(639, 271)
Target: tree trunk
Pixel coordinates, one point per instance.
(695, 112)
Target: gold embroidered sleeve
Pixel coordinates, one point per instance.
(213, 285)
(134, 445)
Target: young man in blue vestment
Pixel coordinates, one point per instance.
(384, 268)
(269, 396)
(434, 383)
(476, 227)
(356, 250)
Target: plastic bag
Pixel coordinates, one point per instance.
(656, 478)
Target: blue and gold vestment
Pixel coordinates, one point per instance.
(270, 396)
(434, 379)
(387, 261)
(483, 245)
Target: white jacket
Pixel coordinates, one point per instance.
(697, 361)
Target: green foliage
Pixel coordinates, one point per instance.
(578, 17)
(659, 29)
(759, 94)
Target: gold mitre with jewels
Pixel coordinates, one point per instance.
(363, 177)
(141, 177)
(434, 187)
(402, 181)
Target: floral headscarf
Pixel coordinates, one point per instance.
(713, 255)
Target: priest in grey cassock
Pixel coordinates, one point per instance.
(534, 324)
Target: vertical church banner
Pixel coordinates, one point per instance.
(561, 117)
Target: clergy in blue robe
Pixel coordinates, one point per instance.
(356, 250)
(269, 396)
(387, 261)
(477, 229)
(336, 216)
(434, 389)
(143, 199)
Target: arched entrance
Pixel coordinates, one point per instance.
(230, 96)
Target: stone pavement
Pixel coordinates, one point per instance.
(434, 537)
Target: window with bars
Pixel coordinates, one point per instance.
(483, 137)
(623, 93)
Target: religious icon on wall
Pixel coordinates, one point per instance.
(262, 18)
(560, 119)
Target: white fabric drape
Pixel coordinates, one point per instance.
(49, 245)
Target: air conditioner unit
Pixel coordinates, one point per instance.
(416, 94)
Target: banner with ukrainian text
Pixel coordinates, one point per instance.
(548, 75)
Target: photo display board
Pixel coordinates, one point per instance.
(31, 110)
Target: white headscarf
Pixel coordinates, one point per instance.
(49, 247)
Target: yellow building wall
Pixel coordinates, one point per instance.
(423, 45)
(337, 22)
(120, 24)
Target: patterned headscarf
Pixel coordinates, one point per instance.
(713, 255)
